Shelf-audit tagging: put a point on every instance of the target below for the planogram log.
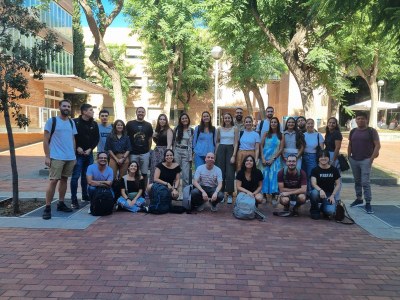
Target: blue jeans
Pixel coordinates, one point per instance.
(134, 208)
(80, 168)
(327, 208)
(361, 171)
(337, 166)
(308, 164)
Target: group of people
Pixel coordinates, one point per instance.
(288, 165)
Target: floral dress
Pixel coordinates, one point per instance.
(270, 183)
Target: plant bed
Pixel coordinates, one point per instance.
(25, 206)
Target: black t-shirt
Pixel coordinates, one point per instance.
(167, 174)
(133, 186)
(330, 139)
(251, 185)
(139, 134)
(326, 178)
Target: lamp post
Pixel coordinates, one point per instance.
(216, 53)
(381, 83)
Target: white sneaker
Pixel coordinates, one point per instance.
(230, 200)
(89, 211)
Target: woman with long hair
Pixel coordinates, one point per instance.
(314, 143)
(118, 146)
(182, 141)
(249, 143)
(227, 137)
(167, 174)
(293, 142)
(249, 180)
(204, 139)
(333, 143)
(272, 148)
(162, 137)
(132, 187)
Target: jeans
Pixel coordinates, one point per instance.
(337, 166)
(327, 208)
(197, 198)
(308, 164)
(361, 171)
(80, 168)
(134, 208)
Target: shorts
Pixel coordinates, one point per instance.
(61, 168)
(143, 160)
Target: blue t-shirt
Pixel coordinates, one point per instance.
(62, 141)
(312, 141)
(248, 140)
(106, 175)
(265, 127)
(104, 132)
(204, 142)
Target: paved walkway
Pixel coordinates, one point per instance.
(199, 256)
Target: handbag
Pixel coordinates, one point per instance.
(318, 149)
(342, 216)
(343, 163)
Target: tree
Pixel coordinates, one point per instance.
(253, 61)
(98, 21)
(168, 29)
(16, 62)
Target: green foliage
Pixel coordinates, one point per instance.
(118, 55)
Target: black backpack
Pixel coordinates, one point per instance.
(102, 202)
(160, 200)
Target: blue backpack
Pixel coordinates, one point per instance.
(160, 200)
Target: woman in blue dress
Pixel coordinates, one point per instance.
(204, 139)
(271, 150)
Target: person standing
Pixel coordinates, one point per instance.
(333, 143)
(86, 140)
(301, 124)
(227, 140)
(263, 126)
(249, 143)
(118, 147)
(271, 149)
(293, 142)
(59, 148)
(104, 129)
(162, 137)
(182, 140)
(364, 146)
(204, 139)
(140, 133)
(239, 123)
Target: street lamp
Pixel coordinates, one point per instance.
(381, 83)
(216, 53)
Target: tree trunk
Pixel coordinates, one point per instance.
(256, 91)
(246, 93)
(333, 108)
(167, 101)
(119, 105)
(373, 115)
(13, 159)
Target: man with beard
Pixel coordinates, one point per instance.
(86, 140)
(140, 134)
(239, 119)
(292, 184)
(264, 124)
(301, 124)
(59, 148)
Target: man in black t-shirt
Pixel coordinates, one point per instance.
(140, 134)
(325, 180)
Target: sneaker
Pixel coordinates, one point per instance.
(357, 202)
(47, 213)
(368, 208)
(201, 207)
(85, 198)
(230, 200)
(75, 204)
(62, 207)
(223, 200)
(295, 211)
(286, 207)
(214, 208)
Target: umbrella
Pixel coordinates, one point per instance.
(366, 105)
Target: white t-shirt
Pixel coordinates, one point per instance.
(248, 140)
(62, 141)
(208, 177)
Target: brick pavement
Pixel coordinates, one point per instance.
(199, 256)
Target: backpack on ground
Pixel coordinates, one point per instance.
(102, 202)
(245, 207)
(187, 197)
(160, 200)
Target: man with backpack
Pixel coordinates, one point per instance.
(207, 185)
(363, 148)
(99, 178)
(264, 124)
(59, 148)
(86, 140)
(292, 183)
